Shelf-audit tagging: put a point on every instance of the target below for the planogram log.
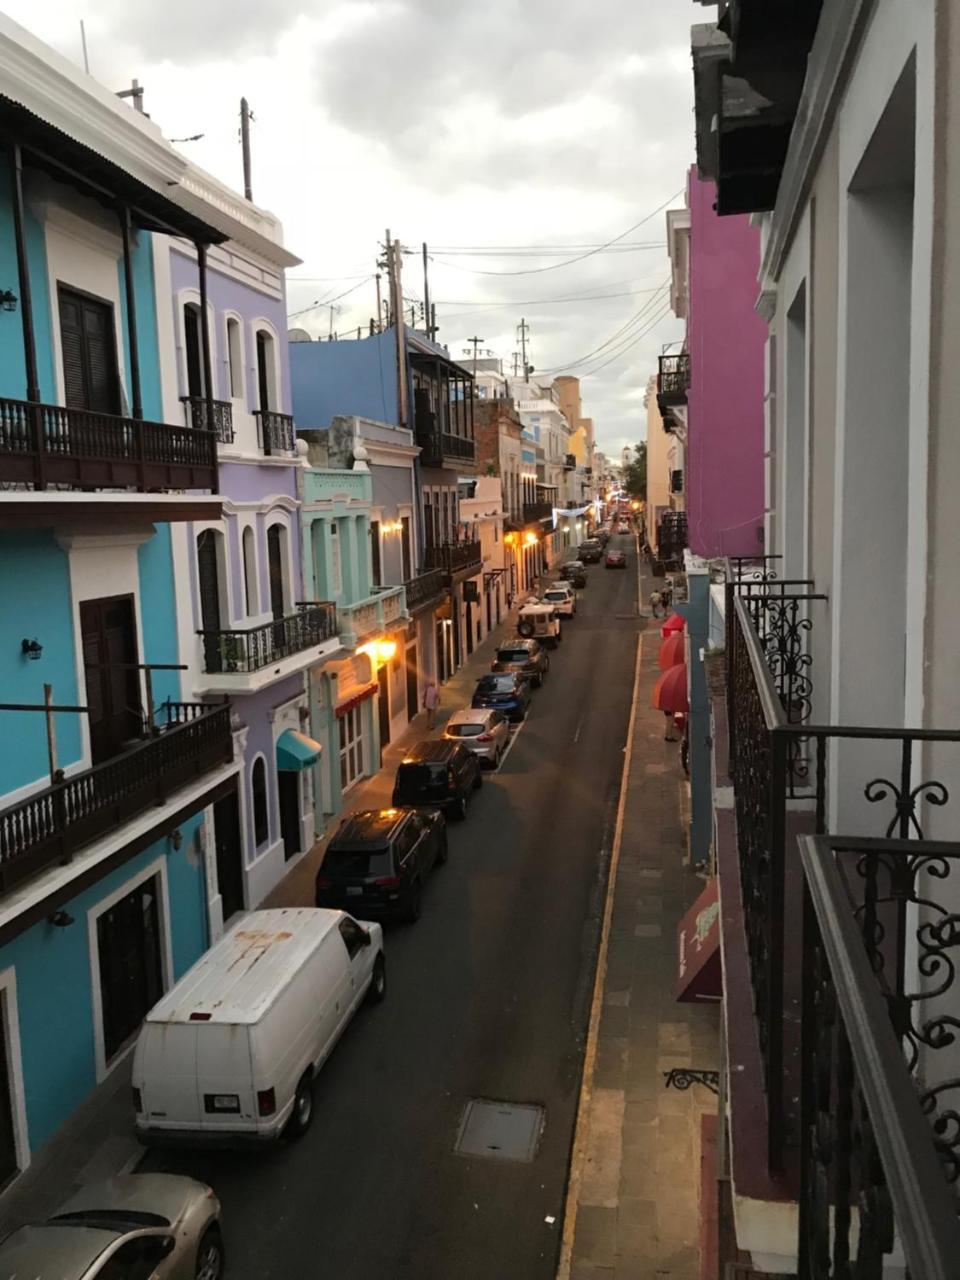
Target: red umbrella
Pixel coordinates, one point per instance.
(672, 624)
(670, 691)
(671, 651)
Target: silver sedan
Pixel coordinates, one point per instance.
(482, 731)
(152, 1226)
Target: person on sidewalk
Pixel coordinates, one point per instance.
(431, 701)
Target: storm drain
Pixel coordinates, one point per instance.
(501, 1130)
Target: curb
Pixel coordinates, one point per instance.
(581, 1130)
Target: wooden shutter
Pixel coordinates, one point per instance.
(90, 375)
(71, 344)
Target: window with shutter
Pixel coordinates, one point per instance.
(88, 345)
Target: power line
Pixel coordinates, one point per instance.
(540, 302)
(554, 266)
(631, 344)
(325, 302)
(654, 300)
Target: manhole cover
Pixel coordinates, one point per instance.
(502, 1130)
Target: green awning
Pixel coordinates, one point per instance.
(295, 751)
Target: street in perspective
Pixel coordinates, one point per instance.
(479, 806)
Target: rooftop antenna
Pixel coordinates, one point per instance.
(246, 115)
(83, 41)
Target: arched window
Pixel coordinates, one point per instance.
(249, 573)
(266, 370)
(277, 563)
(235, 358)
(208, 574)
(258, 783)
(193, 347)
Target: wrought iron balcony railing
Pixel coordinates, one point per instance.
(534, 512)
(189, 739)
(276, 431)
(438, 446)
(783, 767)
(673, 380)
(880, 1146)
(44, 445)
(253, 648)
(222, 421)
(425, 587)
(454, 557)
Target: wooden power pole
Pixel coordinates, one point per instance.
(396, 315)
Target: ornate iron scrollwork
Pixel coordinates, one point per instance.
(683, 1078)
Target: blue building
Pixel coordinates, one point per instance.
(112, 783)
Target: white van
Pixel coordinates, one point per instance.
(231, 1051)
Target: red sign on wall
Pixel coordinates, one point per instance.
(698, 948)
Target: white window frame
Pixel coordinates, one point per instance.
(250, 569)
(156, 868)
(10, 1030)
(235, 320)
(183, 298)
(274, 373)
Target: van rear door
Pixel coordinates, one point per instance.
(166, 1061)
(225, 1086)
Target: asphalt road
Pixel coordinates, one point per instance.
(488, 997)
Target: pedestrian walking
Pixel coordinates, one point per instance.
(656, 604)
(431, 700)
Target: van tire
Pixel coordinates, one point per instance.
(210, 1255)
(525, 629)
(460, 809)
(377, 990)
(302, 1114)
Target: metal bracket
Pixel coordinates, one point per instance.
(683, 1077)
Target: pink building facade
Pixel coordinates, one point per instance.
(726, 339)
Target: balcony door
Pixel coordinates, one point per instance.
(109, 636)
(88, 346)
(193, 350)
(131, 969)
(275, 548)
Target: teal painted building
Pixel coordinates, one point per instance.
(114, 806)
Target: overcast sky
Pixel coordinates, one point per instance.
(520, 123)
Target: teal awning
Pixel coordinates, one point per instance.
(295, 751)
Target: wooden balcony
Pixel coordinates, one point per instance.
(51, 825)
(222, 420)
(425, 589)
(437, 447)
(457, 560)
(45, 446)
(536, 512)
(275, 430)
(251, 649)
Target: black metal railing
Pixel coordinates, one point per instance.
(187, 740)
(879, 1146)
(570, 462)
(676, 480)
(673, 380)
(534, 512)
(781, 769)
(275, 431)
(453, 557)
(253, 648)
(424, 587)
(672, 538)
(438, 445)
(222, 420)
(45, 445)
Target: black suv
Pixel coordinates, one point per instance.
(589, 552)
(437, 775)
(526, 657)
(376, 863)
(573, 572)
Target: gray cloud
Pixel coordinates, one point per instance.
(194, 31)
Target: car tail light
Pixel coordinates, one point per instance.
(137, 1100)
(388, 882)
(200, 1017)
(266, 1102)
(485, 737)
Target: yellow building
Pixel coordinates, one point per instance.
(658, 464)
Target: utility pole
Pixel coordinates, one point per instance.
(245, 117)
(475, 343)
(516, 364)
(379, 303)
(523, 329)
(426, 295)
(393, 265)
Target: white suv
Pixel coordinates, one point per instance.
(563, 598)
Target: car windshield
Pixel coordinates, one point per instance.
(464, 730)
(513, 655)
(113, 1219)
(417, 780)
(555, 595)
(349, 864)
(495, 684)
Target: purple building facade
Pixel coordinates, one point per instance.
(726, 342)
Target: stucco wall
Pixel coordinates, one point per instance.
(726, 340)
(350, 377)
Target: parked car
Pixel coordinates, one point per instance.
(574, 572)
(155, 1225)
(509, 693)
(562, 598)
(230, 1053)
(602, 535)
(438, 774)
(589, 552)
(528, 657)
(623, 528)
(377, 862)
(540, 621)
(615, 560)
(484, 732)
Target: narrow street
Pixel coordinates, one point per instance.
(488, 998)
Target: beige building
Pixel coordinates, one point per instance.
(659, 444)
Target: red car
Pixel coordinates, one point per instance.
(615, 560)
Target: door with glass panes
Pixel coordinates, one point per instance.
(351, 747)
